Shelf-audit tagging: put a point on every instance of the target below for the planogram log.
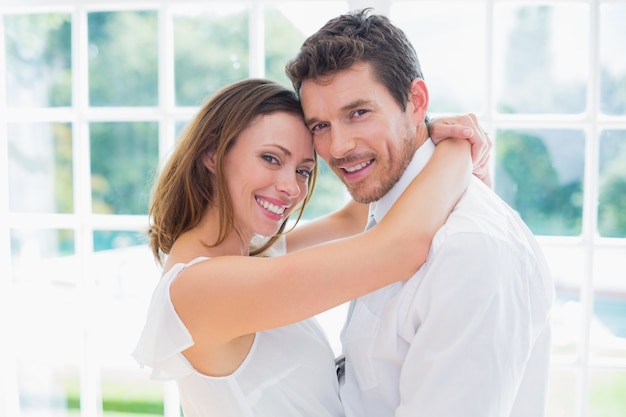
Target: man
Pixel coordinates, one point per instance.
(468, 335)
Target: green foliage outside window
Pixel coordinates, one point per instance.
(123, 58)
(527, 178)
(39, 58)
(612, 187)
(612, 91)
(531, 86)
(210, 51)
(123, 164)
(283, 41)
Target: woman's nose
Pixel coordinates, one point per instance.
(288, 184)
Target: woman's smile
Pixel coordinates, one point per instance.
(276, 210)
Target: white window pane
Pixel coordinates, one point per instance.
(130, 394)
(125, 279)
(48, 389)
(562, 392)
(48, 345)
(612, 184)
(38, 60)
(449, 38)
(568, 267)
(40, 168)
(539, 172)
(608, 329)
(210, 50)
(287, 25)
(606, 396)
(117, 239)
(612, 58)
(124, 158)
(541, 57)
(123, 58)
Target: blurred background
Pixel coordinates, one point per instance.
(94, 93)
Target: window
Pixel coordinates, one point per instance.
(93, 94)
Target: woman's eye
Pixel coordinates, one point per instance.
(270, 158)
(305, 173)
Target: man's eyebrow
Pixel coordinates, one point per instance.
(352, 105)
(356, 103)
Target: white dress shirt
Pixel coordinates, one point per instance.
(468, 335)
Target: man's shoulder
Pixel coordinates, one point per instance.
(478, 207)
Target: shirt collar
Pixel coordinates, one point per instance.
(380, 208)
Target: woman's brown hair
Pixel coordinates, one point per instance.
(185, 188)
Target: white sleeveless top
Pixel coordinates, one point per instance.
(289, 371)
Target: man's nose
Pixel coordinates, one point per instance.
(341, 142)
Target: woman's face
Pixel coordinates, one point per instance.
(267, 172)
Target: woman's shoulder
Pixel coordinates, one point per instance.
(164, 336)
(175, 265)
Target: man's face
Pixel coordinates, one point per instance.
(359, 130)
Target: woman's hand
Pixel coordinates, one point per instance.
(466, 127)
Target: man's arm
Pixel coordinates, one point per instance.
(474, 332)
(347, 221)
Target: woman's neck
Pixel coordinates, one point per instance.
(206, 233)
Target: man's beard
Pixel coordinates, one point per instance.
(370, 190)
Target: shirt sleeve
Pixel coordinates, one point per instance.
(470, 328)
(164, 336)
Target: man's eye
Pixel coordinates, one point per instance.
(359, 113)
(319, 127)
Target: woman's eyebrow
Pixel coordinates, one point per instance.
(287, 152)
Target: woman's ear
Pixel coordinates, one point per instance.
(208, 159)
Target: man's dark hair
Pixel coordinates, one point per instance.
(359, 37)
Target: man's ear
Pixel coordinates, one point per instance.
(418, 100)
(208, 159)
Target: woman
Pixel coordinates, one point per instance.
(233, 330)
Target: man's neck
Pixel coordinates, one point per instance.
(418, 161)
(421, 135)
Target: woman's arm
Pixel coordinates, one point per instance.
(466, 126)
(234, 296)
